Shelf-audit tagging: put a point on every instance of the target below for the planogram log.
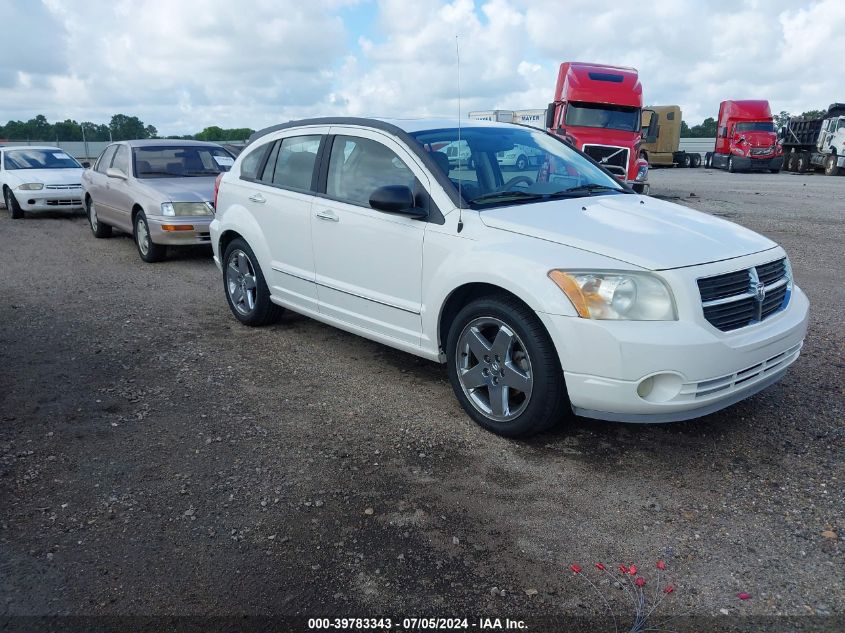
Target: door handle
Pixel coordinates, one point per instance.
(331, 216)
(257, 197)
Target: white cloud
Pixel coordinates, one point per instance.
(182, 66)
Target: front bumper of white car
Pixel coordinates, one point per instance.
(50, 198)
(666, 371)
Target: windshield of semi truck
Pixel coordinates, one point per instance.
(603, 115)
(756, 126)
(506, 165)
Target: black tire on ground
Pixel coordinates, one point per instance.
(731, 167)
(532, 352)
(99, 229)
(708, 160)
(801, 163)
(775, 171)
(12, 204)
(696, 160)
(830, 167)
(241, 269)
(789, 162)
(687, 160)
(149, 251)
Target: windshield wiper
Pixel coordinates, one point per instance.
(203, 172)
(146, 174)
(588, 188)
(505, 195)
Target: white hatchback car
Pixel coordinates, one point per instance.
(39, 178)
(544, 291)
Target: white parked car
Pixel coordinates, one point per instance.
(540, 292)
(39, 178)
(520, 157)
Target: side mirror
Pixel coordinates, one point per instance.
(396, 199)
(86, 164)
(114, 172)
(550, 116)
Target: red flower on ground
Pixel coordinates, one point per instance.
(575, 567)
(668, 589)
(632, 570)
(640, 582)
(661, 565)
(600, 566)
(623, 569)
(743, 596)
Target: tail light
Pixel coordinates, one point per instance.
(217, 188)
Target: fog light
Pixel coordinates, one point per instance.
(660, 387)
(177, 227)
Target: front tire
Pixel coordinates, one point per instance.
(99, 229)
(12, 205)
(731, 167)
(830, 166)
(149, 251)
(504, 368)
(246, 290)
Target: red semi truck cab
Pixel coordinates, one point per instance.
(598, 109)
(745, 138)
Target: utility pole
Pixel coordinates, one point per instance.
(84, 142)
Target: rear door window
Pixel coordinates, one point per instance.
(293, 164)
(251, 162)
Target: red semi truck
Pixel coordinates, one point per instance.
(745, 138)
(598, 109)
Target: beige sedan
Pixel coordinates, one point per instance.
(159, 191)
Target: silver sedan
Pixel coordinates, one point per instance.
(159, 191)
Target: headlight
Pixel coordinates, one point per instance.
(630, 296)
(31, 186)
(186, 208)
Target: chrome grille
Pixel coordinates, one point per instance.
(64, 187)
(65, 202)
(740, 298)
(761, 151)
(613, 159)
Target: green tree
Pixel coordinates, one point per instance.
(814, 114)
(705, 129)
(685, 131)
(151, 131)
(124, 128)
(213, 133)
(781, 119)
(67, 130)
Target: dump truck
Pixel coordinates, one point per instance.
(663, 151)
(810, 144)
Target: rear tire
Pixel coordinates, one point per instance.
(801, 163)
(790, 161)
(246, 290)
(696, 160)
(99, 229)
(149, 251)
(12, 204)
(504, 368)
(687, 160)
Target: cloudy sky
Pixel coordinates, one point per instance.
(184, 65)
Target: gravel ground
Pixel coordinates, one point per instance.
(158, 458)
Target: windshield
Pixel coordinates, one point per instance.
(756, 126)
(603, 115)
(499, 166)
(38, 159)
(180, 162)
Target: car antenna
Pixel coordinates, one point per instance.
(460, 195)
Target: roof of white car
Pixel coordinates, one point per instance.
(416, 125)
(49, 147)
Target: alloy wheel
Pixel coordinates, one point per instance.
(143, 236)
(494, 369)
(240, 282)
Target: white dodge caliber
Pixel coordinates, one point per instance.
(552, 289)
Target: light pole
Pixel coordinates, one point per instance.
(84, 141)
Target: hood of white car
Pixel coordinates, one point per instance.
(193, 189)
(639, 230)
(71, 176)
